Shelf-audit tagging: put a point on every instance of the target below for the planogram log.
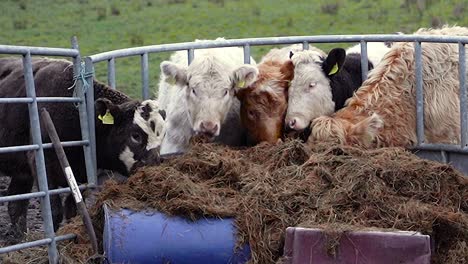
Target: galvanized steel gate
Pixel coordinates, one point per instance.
(455, 154)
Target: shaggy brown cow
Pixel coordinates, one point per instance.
(383, 110)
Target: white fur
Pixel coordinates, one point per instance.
(154, 137)
(281, 54)
(305, 102)
(127, 158)
(375, 51)
(210, 75)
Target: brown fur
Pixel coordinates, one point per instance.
(383, 110)
(264, 103)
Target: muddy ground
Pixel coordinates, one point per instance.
(34, 213)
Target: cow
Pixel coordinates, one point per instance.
(383, 111)
(128, 132)
(321, 84)
(264, 102)
(199, 99)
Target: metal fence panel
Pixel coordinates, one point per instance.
(38, 146)
(455, 154)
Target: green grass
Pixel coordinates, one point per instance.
(107, 25)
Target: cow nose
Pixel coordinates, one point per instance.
(208, 127)
(292, 124)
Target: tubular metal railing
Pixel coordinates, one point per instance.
(38, 146)
(86, 100)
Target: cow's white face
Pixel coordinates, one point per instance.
(310, 94)
(209, 87)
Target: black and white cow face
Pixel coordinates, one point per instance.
(129, 134)
(310, 94)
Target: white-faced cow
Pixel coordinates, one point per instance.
(321, 85)
(199, 98)
(130, 138)
(264, 102)
(383, 111)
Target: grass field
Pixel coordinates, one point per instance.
(107, 25)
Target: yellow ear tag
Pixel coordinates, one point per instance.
(241, 84)
(170, 80)
(107, 119)
(334, 69)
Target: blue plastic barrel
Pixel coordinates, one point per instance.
(153, 237)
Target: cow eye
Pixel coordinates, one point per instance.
(136, 138)
(193, 91)
(312, 84)
(226, 92)
(251, 114)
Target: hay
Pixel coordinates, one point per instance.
(268, 188)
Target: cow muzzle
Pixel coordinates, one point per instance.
(295, 123)
(208, 129)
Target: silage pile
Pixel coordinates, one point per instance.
(271, 187)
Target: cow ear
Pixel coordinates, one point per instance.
(106, 111)
(174, 73)
(334, 61)
(287, 70)
(244, 76)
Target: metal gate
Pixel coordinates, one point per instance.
(38, 146)
(455, 154)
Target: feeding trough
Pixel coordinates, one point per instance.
(153, 237)
(310, 245)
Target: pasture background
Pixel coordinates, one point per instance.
(107, 25)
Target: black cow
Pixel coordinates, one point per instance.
(131, 139)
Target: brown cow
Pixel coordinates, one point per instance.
(264, 102)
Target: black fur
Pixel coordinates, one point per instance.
(348, 78)
(53, 78)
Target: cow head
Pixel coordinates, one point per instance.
(264, 102)
(209, 85)
(358, 131)
(310, 94)
(129, 135)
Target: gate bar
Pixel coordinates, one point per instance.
(145, 76)
(191, 55)
(36, 243)
(40, 100)
(83, 115)
(364, 60)
(46, 211)
(44, 146)
(419, 94)
(247, 54)
(89, 67)
(111, 72)
(24, 50)
(25, 196)
(463, 95)
(274, 41)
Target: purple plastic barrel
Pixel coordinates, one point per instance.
(309, 245)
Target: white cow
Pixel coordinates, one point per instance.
(199, 98)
